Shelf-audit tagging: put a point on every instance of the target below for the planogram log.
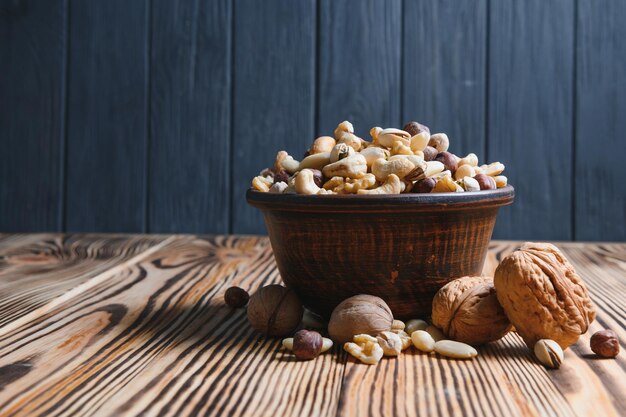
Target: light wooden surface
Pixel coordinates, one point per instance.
(136, 325)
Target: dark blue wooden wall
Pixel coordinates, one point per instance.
(153, 115)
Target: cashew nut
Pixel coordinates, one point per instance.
(415, 159)
(262, 184)
(343, 127)
(501, 181)
(354, 166)
(439, 141)
(420, 141)
(286, 162)
(471, 159)
(315, 161)
(351, 140)
(373, 153)
(464, 171)
(393, 185)
(322, 144)
(382, 169)
(374, 133)
(493, 169)
(305, 183)
(387, 137)
(340, 151)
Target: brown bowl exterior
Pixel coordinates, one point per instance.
(402, 248)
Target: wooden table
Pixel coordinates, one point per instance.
(113, 325)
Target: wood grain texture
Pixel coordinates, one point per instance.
(152, 336)
(274, 76)
(37, 269)
(444, 70)
(530, 119)
(152, 339)
(359, 64)
(600, 197)
(107, 116)
(190, 109)
(33, 54)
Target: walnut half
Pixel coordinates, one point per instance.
(543, 296)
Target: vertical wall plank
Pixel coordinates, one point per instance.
(600, 170)
(33, 41)
(107, 125)
(531, 113)
(190, 116)
(444, 70)
(359, 64)
(273, 92)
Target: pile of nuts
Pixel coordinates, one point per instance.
(396, 161)
(535, 289)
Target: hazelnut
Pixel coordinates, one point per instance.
(605, 343)
(281, 176)
(361, 314)
(430, 153)
(274, 310)
(448, 160)
(425, 185)
(467, 310)
(485, 182)
(415, 128)
(307, 344)
(236, 297)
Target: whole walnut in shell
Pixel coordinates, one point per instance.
(543, 296)
(361, 314)
(467, 310)
(275, 310)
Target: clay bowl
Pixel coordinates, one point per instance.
(402, 248)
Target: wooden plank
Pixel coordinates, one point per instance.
(444, 70)
(153, 337)
(107, 116)
(190, 91)
(600, 195)
(37, 269)
(505, 379)
(531, 114)
(359, 64)
(33, 50)
(274, 100)
(156, 339)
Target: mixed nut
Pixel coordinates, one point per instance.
(535, 290)
(408, 160)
